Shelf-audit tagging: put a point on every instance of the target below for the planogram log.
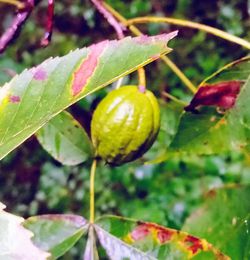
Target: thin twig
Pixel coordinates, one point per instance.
(173, 98)
(16, 25)
(137, 32)
(185, 23)
(179, 73)
(119, 28)
(49, 25)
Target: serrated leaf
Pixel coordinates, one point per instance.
(211, 131)
(15, 240)
(56, 233)
(224, 220)
(35, 96)
(129, 239)
(65, 139)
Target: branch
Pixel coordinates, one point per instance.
(137, 32)
(119, 28)
(18, 21)
(185, 23)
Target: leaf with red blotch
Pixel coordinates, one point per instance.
(124, 238)
(15, 240)
(222, 95)
(212, 132)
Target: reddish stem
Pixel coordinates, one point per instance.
(16, 25)
(49, 25)
(119, 28)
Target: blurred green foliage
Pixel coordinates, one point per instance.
(31, 182)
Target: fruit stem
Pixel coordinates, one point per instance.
(92, 192)
(167, 61)
(185, 23)
(142, 79)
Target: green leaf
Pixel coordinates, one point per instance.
(224, 221)
(65, 139)
(56, 233)
(129, 239)
(15, 240)
(236, 70)
(170, 117)
(210, 131)
(35, 96)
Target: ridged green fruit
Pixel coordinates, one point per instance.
(125, 124)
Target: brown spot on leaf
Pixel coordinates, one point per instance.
(87, 67)
(212, 119)
(14, 99)
(222, 95)
(211, 194)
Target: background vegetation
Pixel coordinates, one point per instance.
(32, 183)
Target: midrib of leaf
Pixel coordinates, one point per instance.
(229, 70)
(79, 233)
(143, 254)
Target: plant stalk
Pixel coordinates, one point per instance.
(173, 98)
(185, 23)
(92, 192)
(137, 32)
(142, 78)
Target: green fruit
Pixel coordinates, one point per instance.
(125, 124)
